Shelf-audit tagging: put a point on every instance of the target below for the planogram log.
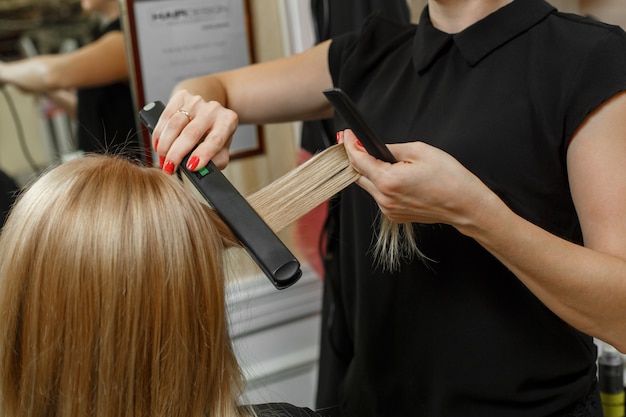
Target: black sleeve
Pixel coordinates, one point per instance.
(604, 64)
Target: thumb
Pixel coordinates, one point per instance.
(359, 158)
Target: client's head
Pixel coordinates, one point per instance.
(112, 298)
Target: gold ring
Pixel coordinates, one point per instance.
(185, 112)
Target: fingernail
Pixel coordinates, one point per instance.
(156, 145)
(168, 168)
(161, 161)
(338, 136)
(193, 163)
(358, 142)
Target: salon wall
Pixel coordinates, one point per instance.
(571, 6)
(610, 11)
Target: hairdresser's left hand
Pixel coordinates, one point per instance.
(427, 185)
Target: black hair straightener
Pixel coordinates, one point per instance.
(347, 110)
(267, 250)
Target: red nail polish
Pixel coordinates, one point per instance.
(358, 142)
(161, 161)
(156, 145)
(168, 168)
(193, 163)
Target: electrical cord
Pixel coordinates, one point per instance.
(20, 130)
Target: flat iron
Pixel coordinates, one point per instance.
(266, 249)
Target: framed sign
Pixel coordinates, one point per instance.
(171, 40)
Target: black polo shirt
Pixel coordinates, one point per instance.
(461, 335)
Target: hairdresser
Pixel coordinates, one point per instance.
(90, 83)
(507, 119)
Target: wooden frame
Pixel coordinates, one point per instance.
(171, 40)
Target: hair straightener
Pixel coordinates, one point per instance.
(347, 110)
(265, 248)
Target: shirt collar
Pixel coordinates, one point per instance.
(481, 38)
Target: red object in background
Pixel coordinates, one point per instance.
(309, 230)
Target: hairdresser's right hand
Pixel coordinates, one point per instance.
(188, 120)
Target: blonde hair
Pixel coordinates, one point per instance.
(317, 180)
(112, 298)
(302, 189)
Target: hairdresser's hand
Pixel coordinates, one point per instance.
(426, 186)
(188, 121)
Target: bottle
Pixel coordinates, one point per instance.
(611, 381)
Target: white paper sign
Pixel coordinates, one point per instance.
(179, 39)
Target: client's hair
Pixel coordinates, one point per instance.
(305, 187)
(112, 298)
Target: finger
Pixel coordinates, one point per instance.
(176, 102)
(216, 125)
(340, 136)
(363, 162)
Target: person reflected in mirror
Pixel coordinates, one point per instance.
(90, 83)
